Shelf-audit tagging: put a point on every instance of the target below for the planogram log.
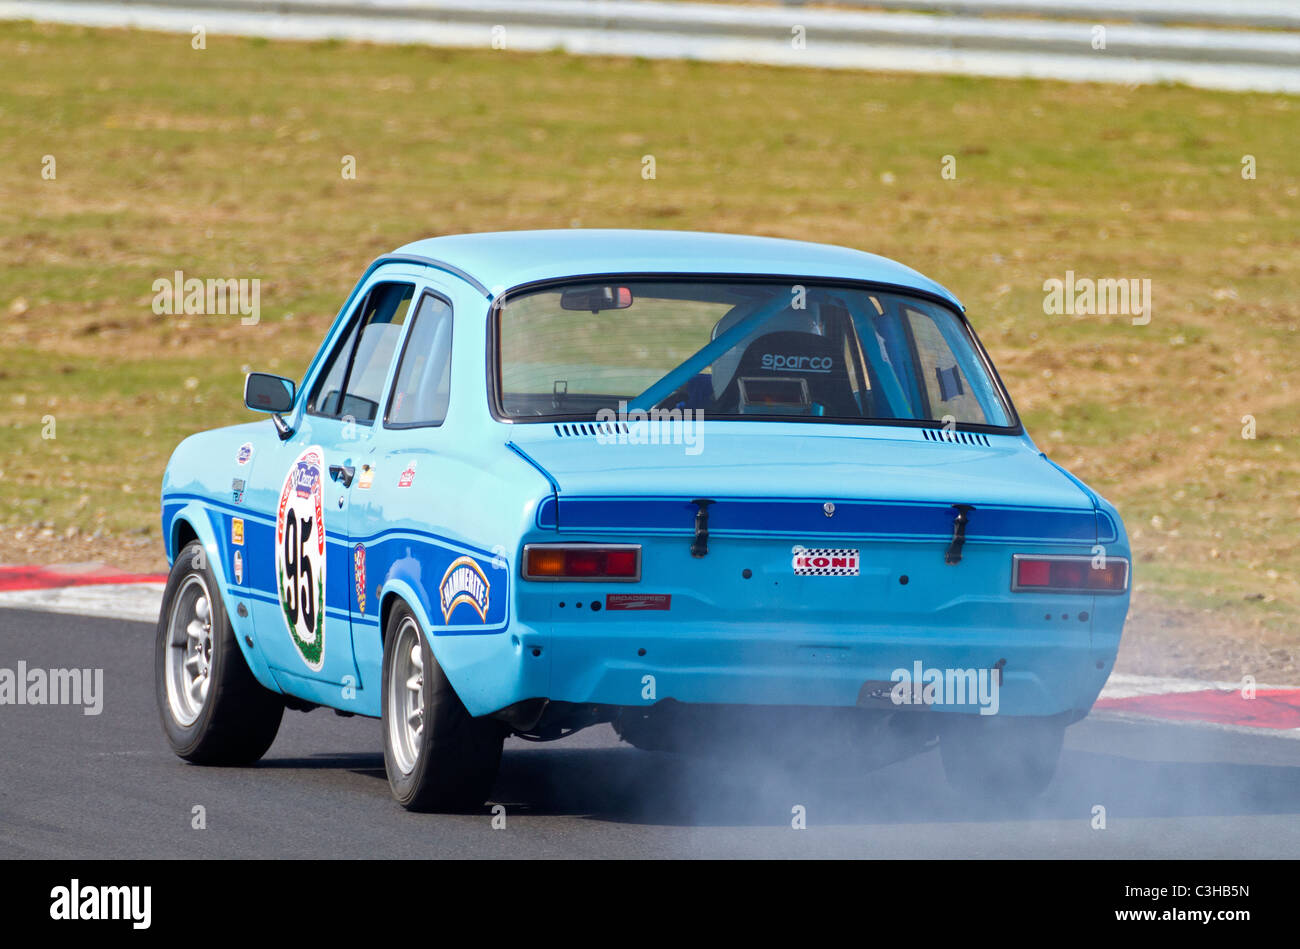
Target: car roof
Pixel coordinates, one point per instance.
(505, 259)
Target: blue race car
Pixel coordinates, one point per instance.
(686, 484)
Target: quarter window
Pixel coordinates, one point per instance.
(423, 385)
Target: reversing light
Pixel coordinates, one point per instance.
(1043, 573)
(582, 562)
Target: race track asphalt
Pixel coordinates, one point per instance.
(78, 786)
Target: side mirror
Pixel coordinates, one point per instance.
(264, 392)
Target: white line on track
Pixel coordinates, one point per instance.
(127, 601)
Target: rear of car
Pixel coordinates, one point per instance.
(795, 493)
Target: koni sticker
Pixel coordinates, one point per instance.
(406, 477)
(245, 453)
(237, 530)
(359, 576)
(300, 555)
(825, 562)
(464, 582)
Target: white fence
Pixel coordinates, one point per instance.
(785, 35)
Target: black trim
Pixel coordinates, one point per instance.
(493, 364)
(401, 357)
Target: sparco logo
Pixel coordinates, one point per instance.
(796, 363)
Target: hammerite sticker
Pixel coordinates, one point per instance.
(300, 555)
(464, 583)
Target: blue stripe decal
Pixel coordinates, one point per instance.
(801, 517)
(248, 514)
(418, 557)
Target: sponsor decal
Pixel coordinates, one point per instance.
(464, 582)
(359, 574)
(783, 363)
(825, 562)
(239, 566)
(237, 530)
(300, 555)
(366, 478)
(406, 477)
(237, 490)
(245, 453)
(638, 601)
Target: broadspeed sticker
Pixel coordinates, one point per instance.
(638, 601)
(464, 582)
(237, 530)
(359, 576)
(300, 555)
(245, 453)
(825, 562)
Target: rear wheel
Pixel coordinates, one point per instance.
(1000, 758)
(438, 757)
(213, 710)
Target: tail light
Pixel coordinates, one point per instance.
(582, 562)
(1042, 573)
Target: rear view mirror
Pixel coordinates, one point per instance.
(264, 392)
(596, 299)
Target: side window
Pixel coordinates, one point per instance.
(946, 385)
(423, 384)
(352, 382)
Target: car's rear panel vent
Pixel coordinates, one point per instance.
(960, 438)
(590, 429)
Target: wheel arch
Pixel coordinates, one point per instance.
(193, 523)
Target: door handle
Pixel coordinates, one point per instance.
(344, 473)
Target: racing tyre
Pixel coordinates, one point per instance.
(438, 757)
(213, 711)
(1002, 759)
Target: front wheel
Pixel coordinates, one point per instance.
(1000, 758)
(438, 757)
(213, 710)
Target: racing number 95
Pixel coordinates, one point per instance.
(298, 591)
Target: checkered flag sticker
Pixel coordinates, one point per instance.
(825, 562)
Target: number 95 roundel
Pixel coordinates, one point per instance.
(300, 555)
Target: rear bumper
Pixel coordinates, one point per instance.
(1057, 669)
(989, 672)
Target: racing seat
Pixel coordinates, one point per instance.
(791, 356)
